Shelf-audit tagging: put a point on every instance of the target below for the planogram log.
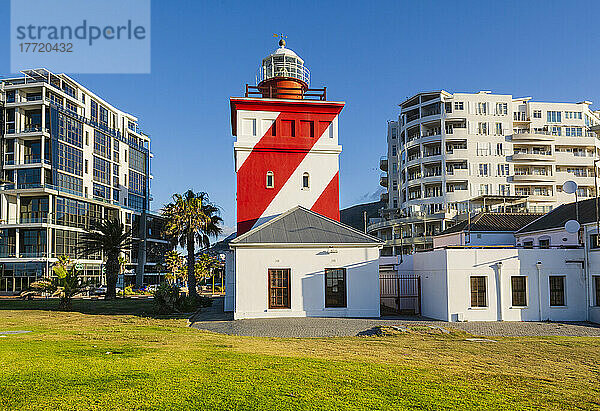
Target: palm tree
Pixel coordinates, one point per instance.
(65, 284)
(191, 219)
(174, 263)
(110, 238)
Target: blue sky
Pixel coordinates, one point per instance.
(369, 54)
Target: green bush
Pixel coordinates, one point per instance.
(168, 299)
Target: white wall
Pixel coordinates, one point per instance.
(476, 238)
(445, 283)
(307, 281)
(558, 237)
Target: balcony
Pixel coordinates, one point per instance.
(532, 136)
(383, 163)
(537, 156)
(531, 178)
(457, 174)
(520, 117)
(383, 180)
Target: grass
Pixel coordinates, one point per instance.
(112, 355)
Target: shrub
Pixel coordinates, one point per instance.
(168, 299)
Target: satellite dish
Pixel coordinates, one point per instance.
(572, 226)
(569, 187)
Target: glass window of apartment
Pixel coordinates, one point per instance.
(478, 292)
(557, 290)
(137, 160)
(33, 209)
(459, 105)
(100, 191)
(29, 177)
(597, 290)
(335, 287)
(69, 182)
(519, 293)
(394, 133)
(69, 159)
(501, 108)
(537, 113)
(137, 183)
(481, 108)
(483, 169)
(482, 128)
(279, 288)
(594, 241)
(70, 130)
(503, 170)
(270, 180)
(32, 243)
(101, 170)
(102, 144)
(544, 242)
(554, 116)
(499, 131)
(103, 120)
(94, 111)
(394, 150)
(556, 130)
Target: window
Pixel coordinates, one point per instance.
(554, 116)
(478, 293)
(69, 182)
(499, 150)
(597, 290)
(270, 180)
(482, 128)
(137, 160)
(29, 177)
(483, 170)
(528, 244)
(503, 170)
(499, 129)
(137, 183)
(459, 105)
(305, 181)
(594, 241)
(537, 113)
(481, 108)
(557, 290)
(394, 133)
(279, 288)
(519, 293)
(288, 128)
(307, 128)
(556, 130)
(544, 243)
(70, 131)
(94, 111)
(101, 170)
(335, 287)
(102, 144)
(394, 151)
(86, 166)
(501, 108)
(69, 159)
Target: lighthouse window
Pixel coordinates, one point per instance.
(305, 181)
(270, 179)
(307, 128)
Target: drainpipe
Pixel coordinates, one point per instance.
(585, 269)
(538, 265)
(499, 290)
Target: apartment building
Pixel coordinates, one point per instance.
(68, 158)
(449, 154)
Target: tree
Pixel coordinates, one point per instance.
(191, 219)
(110, 238)
(65, 284)
(174, 263)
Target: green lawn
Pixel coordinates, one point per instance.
(101, 357)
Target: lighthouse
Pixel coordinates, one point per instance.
(286, 149)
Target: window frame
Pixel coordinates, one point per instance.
(516, 303)
(344, 294)
(287, 288)
(272, 184)
(550, 291)
(306, 179)
(478, 304)
(596, 281)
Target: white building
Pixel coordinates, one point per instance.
(505, 284)
(448, 153)
(68, 158)
(302, 264)
(485, 229)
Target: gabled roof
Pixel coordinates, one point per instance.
(494, 222)
(302, 226)
(560, 215)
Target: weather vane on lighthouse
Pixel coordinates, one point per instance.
(282, 39)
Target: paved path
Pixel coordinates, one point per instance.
(215, 320)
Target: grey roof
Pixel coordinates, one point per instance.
(302, 226)
(560, 215)
(510, 222)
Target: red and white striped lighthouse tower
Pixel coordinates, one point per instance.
(286, 148)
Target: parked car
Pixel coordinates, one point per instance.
(98, 290)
